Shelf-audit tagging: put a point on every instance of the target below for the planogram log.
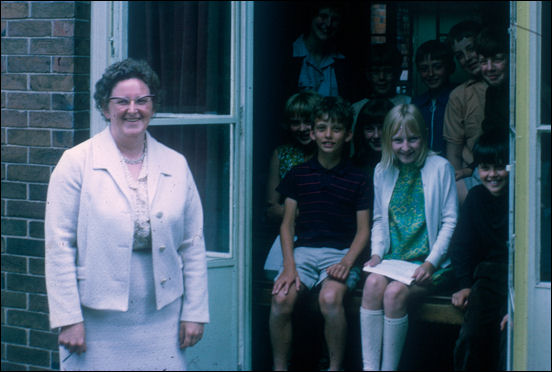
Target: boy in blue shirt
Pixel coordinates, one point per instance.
(326, 206)
(435, 64)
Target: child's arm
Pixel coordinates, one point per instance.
(341, 270)
(287, 231)
(275, 210)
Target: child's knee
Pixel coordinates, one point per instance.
(374, 285)
(282, 304)
(331, 298)
(395, 295)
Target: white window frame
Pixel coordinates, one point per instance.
(109, 44)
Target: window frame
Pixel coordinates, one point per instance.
(109, 44)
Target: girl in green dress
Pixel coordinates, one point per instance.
(297, 148)
(415, 212)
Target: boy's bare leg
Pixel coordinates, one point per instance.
(335, 323)
(280, 327)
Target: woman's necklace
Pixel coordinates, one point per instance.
(137, 161)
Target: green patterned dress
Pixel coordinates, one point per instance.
(407, 223)
(289, 157)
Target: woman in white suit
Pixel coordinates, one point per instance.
(126, 269)
(415, 212)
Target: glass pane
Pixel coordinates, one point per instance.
(188, 44)
(545, 208)
(207, 149)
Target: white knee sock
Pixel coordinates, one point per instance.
(394, 335)
(371, 330)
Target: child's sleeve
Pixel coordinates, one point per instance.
(287, 186)
(366, 195)
(463, 243)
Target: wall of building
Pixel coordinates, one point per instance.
(45, 110)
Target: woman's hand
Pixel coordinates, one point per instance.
(285, 280)
(422, 274)
(72, 337)
(460, 298)
(190, 333)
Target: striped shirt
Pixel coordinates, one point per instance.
(328, 200)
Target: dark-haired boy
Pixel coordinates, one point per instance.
(492, 46)
(332, 229)
(435, 64)
(479, 256)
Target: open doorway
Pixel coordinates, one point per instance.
(277, 26)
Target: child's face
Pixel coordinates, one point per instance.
(382, 80)
(433, 72)
(465, 54)
(329, 135)
(372, 135)
(300, 130)
(494, 177)
(494, 69)
(406, 145)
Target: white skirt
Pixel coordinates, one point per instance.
(140, 339)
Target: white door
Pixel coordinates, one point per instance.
(202, 52)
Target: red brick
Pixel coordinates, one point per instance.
(64, 28)
(14, 118)
(78, 65)
(14, 264)
(12, 10)
(28, 64)
(14, 46)
(51, 119)
(28, 28)
(59, 83)
(14, 154)
(13, 190)
(29, 137)
(12, 335)
(14, 82)
(25, 247)
(29, 101)
(52, 46)
(47, 156)
(26, 209)
(53, 9)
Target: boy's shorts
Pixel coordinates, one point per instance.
(311, 265)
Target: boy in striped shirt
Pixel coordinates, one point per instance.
(327, 202)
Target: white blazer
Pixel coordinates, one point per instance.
(89, 232)
(440, 202)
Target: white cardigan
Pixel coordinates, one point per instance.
(89, 232)
(440, 202)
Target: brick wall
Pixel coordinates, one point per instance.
(45, 109)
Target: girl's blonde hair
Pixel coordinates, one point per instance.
(407, 116)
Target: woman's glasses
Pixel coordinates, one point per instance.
(125, 102)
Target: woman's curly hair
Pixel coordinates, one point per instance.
(123, 70)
